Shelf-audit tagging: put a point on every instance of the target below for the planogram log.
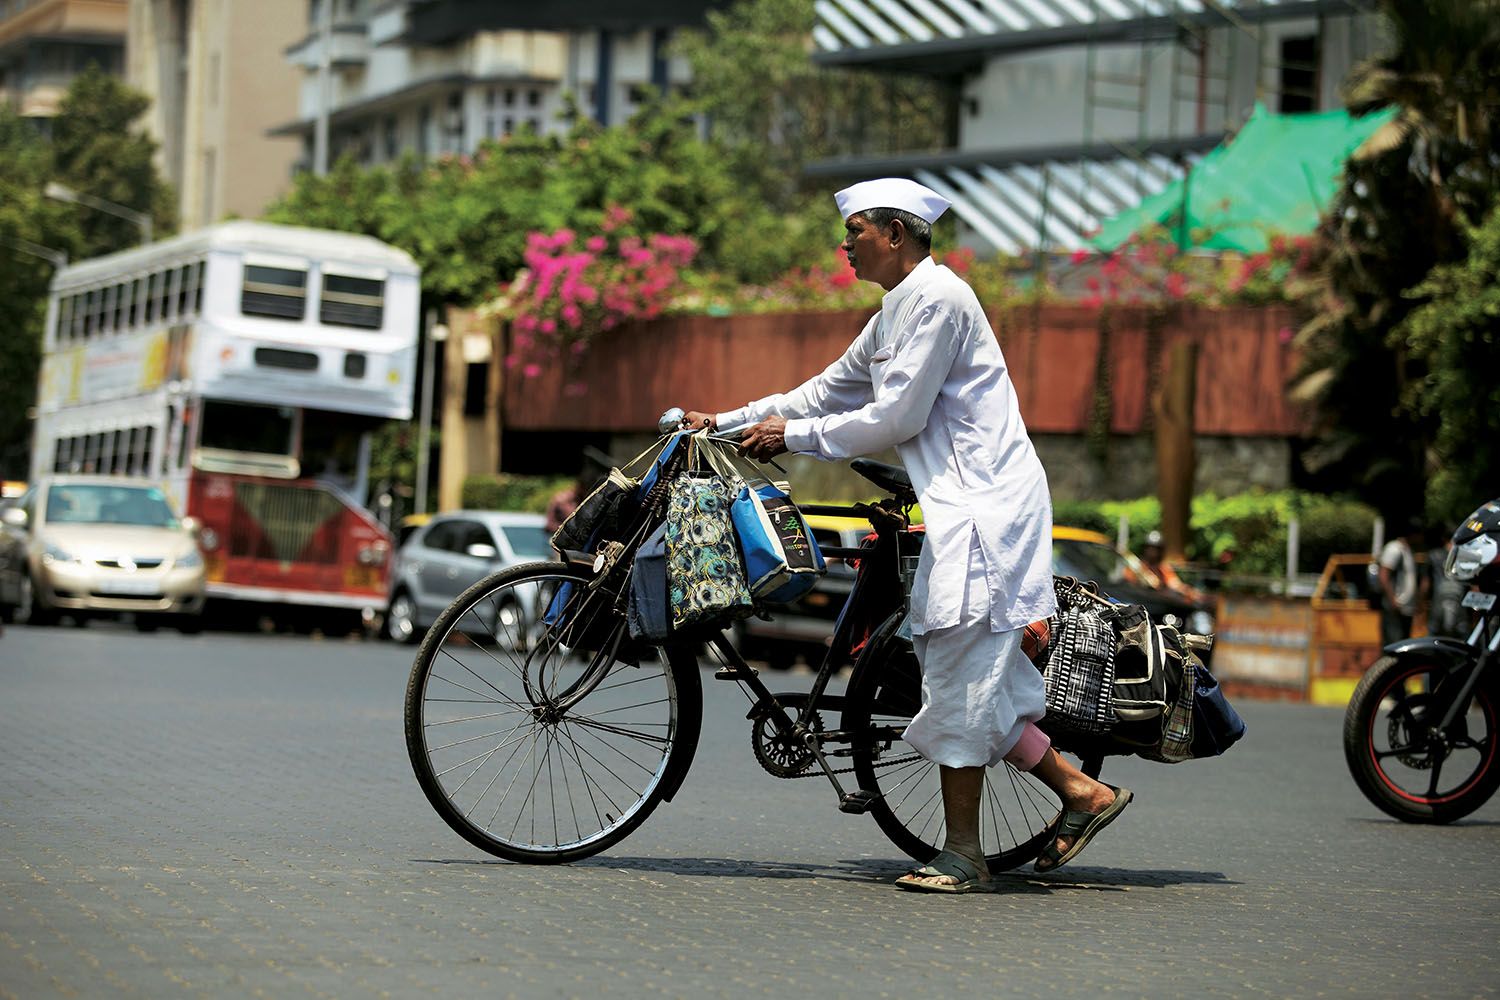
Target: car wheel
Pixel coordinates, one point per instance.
(147, 623)
(189, 624)
(30, 610)
(401, 619)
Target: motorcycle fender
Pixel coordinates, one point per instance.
(689, 716)
(1451, 652)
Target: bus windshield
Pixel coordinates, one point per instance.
(91, 503)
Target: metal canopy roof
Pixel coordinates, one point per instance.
(942, 37)
(1043, 199)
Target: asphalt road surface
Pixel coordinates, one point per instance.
(233, 815)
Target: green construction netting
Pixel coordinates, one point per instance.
(1275, 176)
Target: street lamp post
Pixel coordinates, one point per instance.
(61, 192)
(435, 332)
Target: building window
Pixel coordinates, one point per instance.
(279, 292)
(1299, 74)
(510, 96)
(534, 98)
(349, 301)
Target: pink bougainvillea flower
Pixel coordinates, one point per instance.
(1284, 335)
(596, 244)
(1176, 285)
(1079, 256)
(532, 370)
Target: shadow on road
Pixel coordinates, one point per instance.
(882, 870)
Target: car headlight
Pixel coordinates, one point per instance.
(52, 552)
(189, 560)
(1201, 622)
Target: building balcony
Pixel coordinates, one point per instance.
(348, 46)
(952, 37)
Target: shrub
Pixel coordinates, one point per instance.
(503, 491)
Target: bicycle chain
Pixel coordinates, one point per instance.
(814, 772)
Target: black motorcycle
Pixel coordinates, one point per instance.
(1420, 731)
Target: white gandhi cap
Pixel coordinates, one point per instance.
(892, 192)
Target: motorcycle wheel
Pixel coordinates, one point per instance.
(1401, 761)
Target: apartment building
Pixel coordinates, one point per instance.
(44, 44)
(1066, 112)
(217, 81)
(437, 77)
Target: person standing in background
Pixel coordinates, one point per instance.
(1399, 586)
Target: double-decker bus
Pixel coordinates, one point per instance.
(245, 366)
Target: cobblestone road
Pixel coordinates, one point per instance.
(235, 815)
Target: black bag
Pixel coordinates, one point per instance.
(1079, 671)
(600, 514)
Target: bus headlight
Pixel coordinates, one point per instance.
(208, 538)
(371, 555)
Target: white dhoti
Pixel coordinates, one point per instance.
(979, 689)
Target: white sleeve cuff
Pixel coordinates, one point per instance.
(734, 420)
(801, 436)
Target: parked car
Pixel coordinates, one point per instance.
(449, 553)
(803, 629)
(99, 545)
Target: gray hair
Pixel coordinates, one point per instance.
(919, 228)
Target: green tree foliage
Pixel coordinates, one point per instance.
(779, 110)
(1456, 332)
(466, 219)
(94, 148)
(1407, 199)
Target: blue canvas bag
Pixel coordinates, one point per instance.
(1216, 725)
(782, 559)
(650, 611)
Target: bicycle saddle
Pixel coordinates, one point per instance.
(887, 477)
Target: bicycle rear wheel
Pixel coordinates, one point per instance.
(885, 692)
(540, 736)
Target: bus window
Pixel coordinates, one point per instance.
(153, 300)
(266, 430)
(64, 318)
(60, 455)
(172, 283)
(187, 286)
(280, 292)
(122, 307)
(349, 301)
(163, 297)
(90, 313)
(148, 464)
(198, 290)
(107, 317)
(142, 289)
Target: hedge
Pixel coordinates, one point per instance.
(1247, 532)
(503, 491)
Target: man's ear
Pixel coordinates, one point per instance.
(898, 233)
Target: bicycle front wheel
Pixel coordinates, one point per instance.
(885, 692)
(540, 736)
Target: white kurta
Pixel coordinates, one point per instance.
(927, 377)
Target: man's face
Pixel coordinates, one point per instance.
(870, 252)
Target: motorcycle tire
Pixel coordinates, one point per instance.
(1392, 752)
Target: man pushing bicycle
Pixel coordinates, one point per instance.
(927, 377)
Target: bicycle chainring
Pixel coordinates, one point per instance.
(782, 755)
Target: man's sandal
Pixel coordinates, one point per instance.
(1081, 826)
(969, 876)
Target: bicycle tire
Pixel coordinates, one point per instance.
(487, 712)
(1390, 758)
(884, 692)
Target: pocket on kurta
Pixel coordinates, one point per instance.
(937, 595)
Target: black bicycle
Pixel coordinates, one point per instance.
(550, 737)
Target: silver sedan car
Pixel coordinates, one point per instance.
(450, 553)
(89, 545)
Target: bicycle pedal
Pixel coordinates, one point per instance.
(857, 802)
(733, 673)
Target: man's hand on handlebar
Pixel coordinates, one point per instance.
(765, 440)
(695, 421)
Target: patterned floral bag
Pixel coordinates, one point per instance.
(705, 575)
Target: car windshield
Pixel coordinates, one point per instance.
(1087, 561)
(97, 503)
(528, 542)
